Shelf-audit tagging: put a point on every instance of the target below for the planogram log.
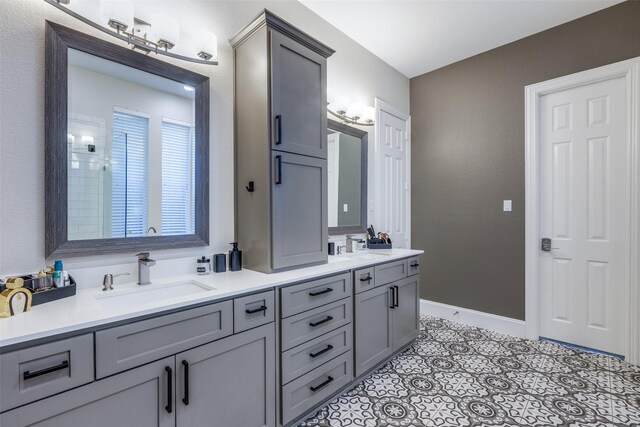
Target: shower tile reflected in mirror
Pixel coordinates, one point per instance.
(131, 154)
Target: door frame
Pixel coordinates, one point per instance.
(630, 71)
(381, 105)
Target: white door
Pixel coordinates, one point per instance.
(393, 174)
(584, 209)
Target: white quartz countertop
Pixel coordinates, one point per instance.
(91, 307)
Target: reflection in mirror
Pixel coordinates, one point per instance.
(131, 152)
(127, 149)
(347, 178)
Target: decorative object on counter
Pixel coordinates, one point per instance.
(117, 19)
(235, 258)
(15, 299)
(203, 265)
(332, 248)
(220, 263)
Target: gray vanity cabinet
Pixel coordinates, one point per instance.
(298, 97)
(228, 383)
(298, 210)
(386, 320)
(373, 336)
(280, 145)
(141, 397)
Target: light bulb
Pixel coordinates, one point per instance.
(368, 114)
(206, 45)
(117, 14)
(355, 110)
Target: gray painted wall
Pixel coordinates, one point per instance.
(468, 155)
(349, 186)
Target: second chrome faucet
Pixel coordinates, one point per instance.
(144, 268)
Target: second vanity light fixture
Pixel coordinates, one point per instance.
(116, 17)
(351, 113)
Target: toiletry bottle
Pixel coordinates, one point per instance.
(235, 258)
(203, 265)
(57, 274)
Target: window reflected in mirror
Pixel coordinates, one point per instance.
(131, 152)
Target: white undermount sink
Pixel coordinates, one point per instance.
(146, 294)
(364, 256)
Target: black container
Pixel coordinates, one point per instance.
(332, 248)
(51, 294)
(378, 244)
(219, 263)
(235, 258)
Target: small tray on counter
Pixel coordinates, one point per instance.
(51, 294)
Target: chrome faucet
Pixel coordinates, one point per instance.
(107, 282)
(144, 265)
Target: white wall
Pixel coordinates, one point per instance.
(352, 71)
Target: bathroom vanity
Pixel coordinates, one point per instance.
(249, 349)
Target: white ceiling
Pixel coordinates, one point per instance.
(419, 36)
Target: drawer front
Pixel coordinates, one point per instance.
(413, 266)
(128, 346)
(390, 272)
(37, 372)
(302, 359)
(252, 311)
(309, 295)
(306, 326)
(364, 279)
(302, 395)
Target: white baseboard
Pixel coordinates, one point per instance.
(492, 322)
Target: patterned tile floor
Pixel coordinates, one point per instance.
(457, 375)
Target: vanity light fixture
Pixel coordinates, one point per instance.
(119, 21)
(354, 114)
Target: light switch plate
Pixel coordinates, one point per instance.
(506, 205)
(345, 208)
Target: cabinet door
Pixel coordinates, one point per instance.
(141, 397)
(299, 210)
(372, 328)
(405, 315)
(228, 383)
(298, 98)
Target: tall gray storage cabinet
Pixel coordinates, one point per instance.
(280, 145)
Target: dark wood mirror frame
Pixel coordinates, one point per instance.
(363, 137)
(58, 40)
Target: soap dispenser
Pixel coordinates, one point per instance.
(235, 258)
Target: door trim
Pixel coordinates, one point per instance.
(381, 105)
(630, 71)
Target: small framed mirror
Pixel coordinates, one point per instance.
(347, 178)
(127, 149)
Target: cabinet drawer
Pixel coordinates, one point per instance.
(390, 272)
(36, 372)
(306, 296)
(306, 326)
(252, 311)
(303, 394)
(413, 266)
(128, 346)
(363, 279)
(300, 360)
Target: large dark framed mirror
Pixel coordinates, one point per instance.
(347, 178)
(127, 149)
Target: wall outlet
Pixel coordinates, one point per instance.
(506, 205)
